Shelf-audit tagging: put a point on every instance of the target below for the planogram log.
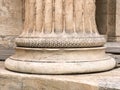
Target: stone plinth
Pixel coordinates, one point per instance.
(17, 81)
(60, 37)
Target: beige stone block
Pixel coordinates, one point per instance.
(10, 83)
(118, 38)
(117, 7)
(118, 19)
(11, 24)
(10, 17)
(98, 81)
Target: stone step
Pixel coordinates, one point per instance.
(5, 53)
(113, 47)
(95, 81)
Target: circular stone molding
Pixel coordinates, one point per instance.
(66, 42)
(60, 61)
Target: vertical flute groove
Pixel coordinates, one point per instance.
(87, 15)
(39, 15)
(69, 20)
(32, 16)
(48, 16)
(58, 16)
(78, 15)
(94, 26)
(26, 24)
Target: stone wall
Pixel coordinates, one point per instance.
(10, 25)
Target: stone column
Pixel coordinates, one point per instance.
(114, 46)
(101, 16)
(111, 20)
(60, 37)
(117, 21)
(106, 18)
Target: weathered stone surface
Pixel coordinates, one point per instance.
(98, 81)
(113, 47)
(11, 20)
(10, 17)
(63, 43)
(117, 58)
(111, 19)
(7, 45)
(101, 16)
(7, 41)
(60, 61)
(11, 24)
(117, 20)
(106, 18)
(5, 53)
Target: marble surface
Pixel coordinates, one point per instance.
(60, 61)
(109, 80)
(113, 47)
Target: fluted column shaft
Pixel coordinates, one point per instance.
(68, 21)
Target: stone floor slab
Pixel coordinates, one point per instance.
(96, 81)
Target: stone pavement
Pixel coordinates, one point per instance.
(96, 81)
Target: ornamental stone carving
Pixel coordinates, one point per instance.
(60, 37)
(60, 23)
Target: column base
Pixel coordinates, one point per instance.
(60, 61)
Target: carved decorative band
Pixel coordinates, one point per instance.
(51, 42)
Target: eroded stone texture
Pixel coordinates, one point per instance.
(10, 17)
(106, 18)
(111, 20)
(74, 26)
(7, 44)
(10, 25)
(117, 20)
(61, 43)
(114, 32)
(10, 21)
(99, 81)
(101, 16)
